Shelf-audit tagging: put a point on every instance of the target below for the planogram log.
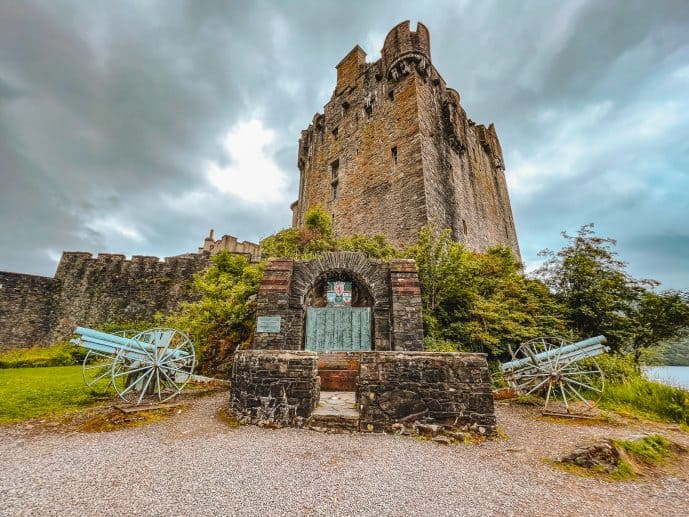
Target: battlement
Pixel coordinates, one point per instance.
(231, 244)
(79, 260)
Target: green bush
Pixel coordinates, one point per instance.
(61, 354)
(224, 317)
(617, 368)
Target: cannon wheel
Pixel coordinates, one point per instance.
(96, 368)
(577, 384)
(158, 373)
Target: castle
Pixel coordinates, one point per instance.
(394, 150)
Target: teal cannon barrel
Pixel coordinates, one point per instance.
(590, 347)
(132, 348)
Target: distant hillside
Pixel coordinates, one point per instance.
(675, 354)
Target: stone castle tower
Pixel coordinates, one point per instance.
(395, 150)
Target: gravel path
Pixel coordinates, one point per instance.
(194, 464)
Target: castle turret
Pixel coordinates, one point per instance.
(402, 44)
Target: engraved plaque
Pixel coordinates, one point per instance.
(268, 324)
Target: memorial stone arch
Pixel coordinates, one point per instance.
(295, 313)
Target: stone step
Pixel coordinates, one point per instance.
(336, 412)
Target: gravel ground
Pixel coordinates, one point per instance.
(194, 464)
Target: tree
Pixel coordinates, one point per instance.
(658, 317)
(589, 280)
(600, 297)
(481, 301)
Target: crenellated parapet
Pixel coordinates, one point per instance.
(91, 290)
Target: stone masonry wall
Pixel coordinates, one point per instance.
(274, 388)
(111, 288)
(27, 309)
(412, 389)
(395, 150)
(90, 291)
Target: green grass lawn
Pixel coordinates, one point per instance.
(35, 392)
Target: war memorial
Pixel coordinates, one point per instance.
(335, 351)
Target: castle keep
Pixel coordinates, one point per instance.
(395, 150)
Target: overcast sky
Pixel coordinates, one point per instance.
(134, 127)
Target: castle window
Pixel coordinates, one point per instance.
(391, 95)
(334, 185)
(335, 131)
(394, 155)
(335, 169)
(464, 227)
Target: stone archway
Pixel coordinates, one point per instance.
(371, 277)
(391, 287)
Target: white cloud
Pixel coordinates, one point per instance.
(111, 228)
(253, 176)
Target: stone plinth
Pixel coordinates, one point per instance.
(452, 390)
(274, 388)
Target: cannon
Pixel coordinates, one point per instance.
(156, 363)
(556, 368)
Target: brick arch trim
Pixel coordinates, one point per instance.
(370, 274)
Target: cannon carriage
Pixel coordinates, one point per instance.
(154, 364)
(558, 370)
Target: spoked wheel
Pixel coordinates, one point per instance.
(576, 384)
(156, 365)
(96, 369)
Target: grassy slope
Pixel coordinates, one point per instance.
(60, 354)
(34, 392)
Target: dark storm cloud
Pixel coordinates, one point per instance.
(111, 112)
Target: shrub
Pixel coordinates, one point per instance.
(224, 317)
(617, 368)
